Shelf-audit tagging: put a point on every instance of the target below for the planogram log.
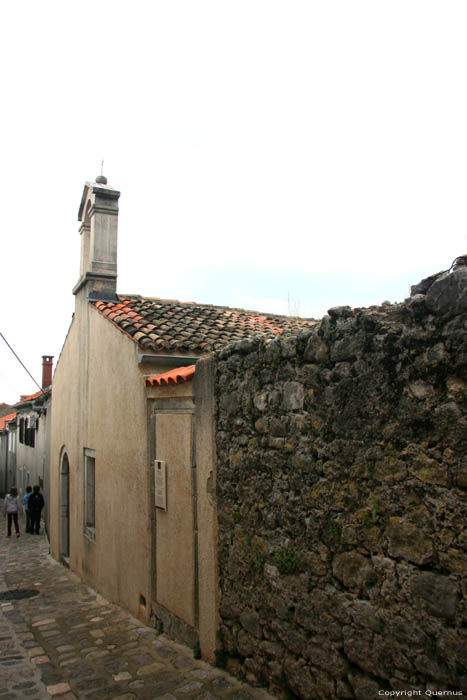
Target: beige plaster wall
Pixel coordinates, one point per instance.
(174, 529)
(99, 404)
(186, 581)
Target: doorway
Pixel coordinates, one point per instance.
(65, 508)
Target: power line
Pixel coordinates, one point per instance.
(21, 363)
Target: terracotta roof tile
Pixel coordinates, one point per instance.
(173, 376)
(6, 419)
(171, 325)
(30, 397)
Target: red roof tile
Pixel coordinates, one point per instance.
(6, 419)
(161, 324)
(173, 376)
(31, 397)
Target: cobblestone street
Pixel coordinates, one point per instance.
(59, 638)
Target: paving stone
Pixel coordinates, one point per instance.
(36, 651)
(79, 670)
(240, 695)
(190, 687)
(159, 687)
(165, 652)
(149, 669)
(107, 693)
(97, 654)
(136, 684)
(116, 666)
(40, 659)
(198, 673)
(91, 684)
(123, 676)
(42, 623)
(182, 662)
(65, 663)
(74, 643)
(221, 683)
(59, 689)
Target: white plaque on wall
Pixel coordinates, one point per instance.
(160, 481)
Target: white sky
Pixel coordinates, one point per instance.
(265, 150)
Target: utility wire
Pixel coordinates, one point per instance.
(21, 363)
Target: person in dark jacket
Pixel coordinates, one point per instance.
(25, 506)
(35, 505)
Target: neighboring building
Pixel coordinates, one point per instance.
(7, 452)
(130, 426)
(33, 420)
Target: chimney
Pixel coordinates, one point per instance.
(98, 213)
(47, 362)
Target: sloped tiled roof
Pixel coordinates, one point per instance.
(173, 376)
(6, 419)
(167, 325)
(31, 397)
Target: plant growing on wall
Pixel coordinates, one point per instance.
(286, 561)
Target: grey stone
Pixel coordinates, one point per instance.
(424, 285)
(352, 569)
(364, 688)
(439, 593)
(340, 312)
(407, 541)
(448, 294)
(300, 680)
(316, 350)
(250, 622)
(293, 396)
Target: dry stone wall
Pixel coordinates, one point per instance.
(342, 479)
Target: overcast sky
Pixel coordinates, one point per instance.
(280, 156)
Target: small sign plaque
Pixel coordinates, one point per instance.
(160, 481)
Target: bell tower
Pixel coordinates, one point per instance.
(98, 214)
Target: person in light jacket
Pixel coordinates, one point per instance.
(11, 508)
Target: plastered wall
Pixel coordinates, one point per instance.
(99, 404)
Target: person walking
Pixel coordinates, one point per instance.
(11, 508)
(35, 505)
(25, 506)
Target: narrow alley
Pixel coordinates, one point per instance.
(59, 638)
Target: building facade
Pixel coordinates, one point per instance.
(132, 422)
(32, 439)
